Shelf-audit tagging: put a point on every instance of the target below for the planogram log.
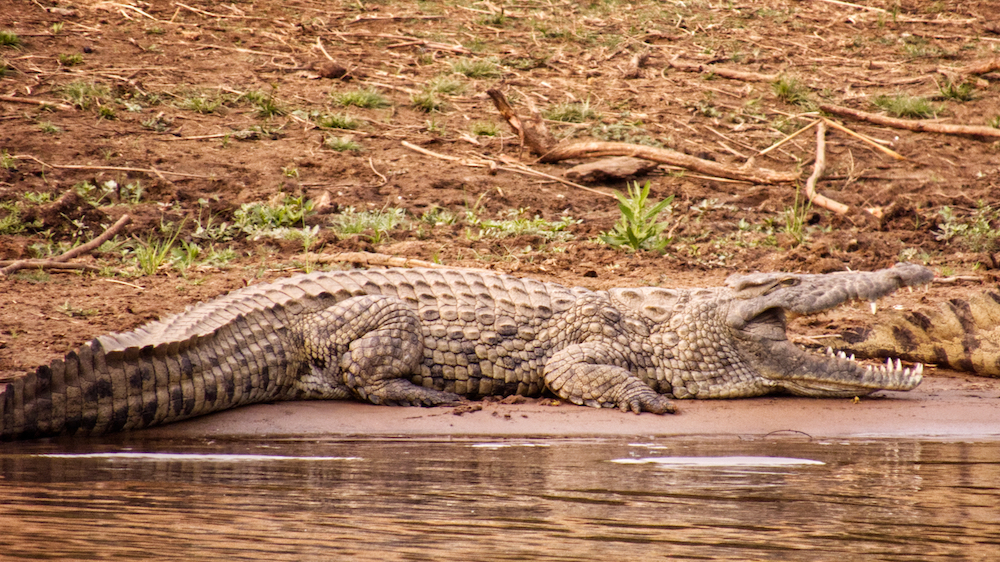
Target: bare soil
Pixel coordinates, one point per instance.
(158, 68)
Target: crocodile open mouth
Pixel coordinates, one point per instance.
(837, 374)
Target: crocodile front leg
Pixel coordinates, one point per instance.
(594, 374)
(365, 346)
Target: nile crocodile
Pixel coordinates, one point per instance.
(961, 334)
(430, 337)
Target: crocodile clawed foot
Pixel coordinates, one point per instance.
(647, 402)
(399, 392)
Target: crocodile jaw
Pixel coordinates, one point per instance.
(833, 375)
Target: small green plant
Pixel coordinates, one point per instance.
(57, 27)
(434, 126)
(267, 106)
(253, 218)
(478, 68)
(426, 101)
(129, 193)
(11, 223)
(159, 123)
(84, 95)
(185, 255)
(901, 105)
(75, 311)
(37, 197)
(155, 31)
(201, 104)
(48, 127)
(994, 122)
(290, 171)
(638, 226)
(484, 128)
(368, 98)
(571, 112)
(338, 121)
(9, 39)
(516, 222)
(151, 253)
(446, 85)
(437, 216)
(791, 90)
(796, 217)
(106, 112)
(7, 162)
(977, 234)
(70, 59)
(379, 221)
(341, 144)
(308, 236)
(957, 92)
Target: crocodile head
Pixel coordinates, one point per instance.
(731, 342)
(762, 304)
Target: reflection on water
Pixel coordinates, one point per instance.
(500, 500)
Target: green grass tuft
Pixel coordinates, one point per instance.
(571, 112)
(367, 98)
(902, 105)
(341, 144)
(9, 39)
(478, 68)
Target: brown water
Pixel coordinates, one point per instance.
(507, 500)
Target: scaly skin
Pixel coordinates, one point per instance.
(430, 337)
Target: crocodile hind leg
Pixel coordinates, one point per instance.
(594, 374)
(365, 346)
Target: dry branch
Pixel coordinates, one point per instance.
(47, 265)
(64, 257)
(818, 168)
(723, 72)
(531, 130)
(913, 125)
(41, 103)
(666, 156)
(537, 138)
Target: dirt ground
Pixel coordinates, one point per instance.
(194, 110)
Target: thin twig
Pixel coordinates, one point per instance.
(858, 6)
(371, 165)
(818, 168)
(720, 71)
(521, 168)
(79, 250)
(863, 138)
(913, 125)
(319, 43)
(788, 138)
(42, 103)
(110, 168)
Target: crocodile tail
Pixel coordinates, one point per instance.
(113, 383)
(960, 334)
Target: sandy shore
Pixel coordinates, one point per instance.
(945, 406)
